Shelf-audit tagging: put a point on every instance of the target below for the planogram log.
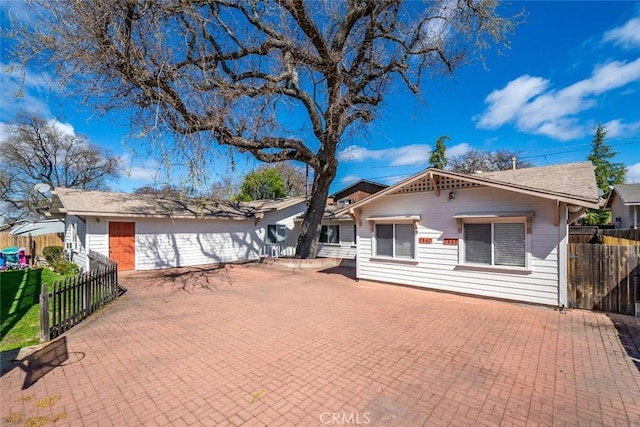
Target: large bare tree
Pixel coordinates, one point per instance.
(487, 161)
(282, 80)
(36, 151)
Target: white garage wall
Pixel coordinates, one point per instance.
(165, 243)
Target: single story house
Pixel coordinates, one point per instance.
(624, 203)
(499, 234)
(338, 232)
(144, 232)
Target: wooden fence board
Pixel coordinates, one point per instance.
(625, 234)
(603, 277)
(34, 245)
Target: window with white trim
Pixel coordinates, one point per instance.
(276, 233)
(395, 240)
(330, 234)
(500, 243)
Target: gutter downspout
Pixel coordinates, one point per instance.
(563, 241)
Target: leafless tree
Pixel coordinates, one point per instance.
(168, 191)
(36, 151)
(487, 161)
(280, 79)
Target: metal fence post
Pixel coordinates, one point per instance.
(45, 331)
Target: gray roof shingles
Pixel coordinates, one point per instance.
(102, 203)
(629, 193)
(575, 180)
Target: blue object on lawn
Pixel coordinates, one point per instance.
(11, 257)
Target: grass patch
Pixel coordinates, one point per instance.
(19, 306)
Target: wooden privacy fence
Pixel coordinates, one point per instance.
(72, 300)
(629, 234)
(28, 242)
(603, 277)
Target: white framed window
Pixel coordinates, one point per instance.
(330, 234)
(499, 241)
(72, 243)
(276, 233)
(496, 243)
(395, 241)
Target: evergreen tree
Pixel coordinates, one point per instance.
(438, 159)
(608, 173)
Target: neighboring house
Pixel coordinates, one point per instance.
(144, 232)
(355, 192)
(624, 202)
(499, 234)
(37, 228)
(338, 232)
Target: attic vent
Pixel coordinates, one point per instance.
(445, 183)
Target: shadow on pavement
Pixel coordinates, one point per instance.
(628, 328)
(40, 362)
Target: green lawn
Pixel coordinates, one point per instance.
(19, 308)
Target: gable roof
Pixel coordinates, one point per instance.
(103, 203)
(350, 189)
(572, 183)
(628, 193)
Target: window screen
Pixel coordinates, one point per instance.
(405, 240)
(384, 240)
(477, 243)
(509, 244)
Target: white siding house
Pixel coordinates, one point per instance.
(338, 239)
(501, 234)
(167, 233)
(75, 241)
(624, 202)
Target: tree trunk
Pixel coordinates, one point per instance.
(307, 246)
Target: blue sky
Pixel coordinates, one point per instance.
(571, 65)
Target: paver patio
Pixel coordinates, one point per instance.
(259, 345)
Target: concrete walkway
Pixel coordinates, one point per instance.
(257, 345)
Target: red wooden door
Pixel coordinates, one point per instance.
(122, 244)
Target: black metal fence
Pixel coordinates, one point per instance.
(72, 300)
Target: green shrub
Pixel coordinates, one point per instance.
(53, 254)
(65, 268)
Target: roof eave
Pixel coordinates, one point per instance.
(594, 204)
(160, 216)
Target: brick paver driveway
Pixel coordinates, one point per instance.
(260, 345)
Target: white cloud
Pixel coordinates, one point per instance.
(457, 150)
(506, 103)
(3, 131)
(63, 128)
(628, 35)
(633, 173)
(350, 179)
(534, 107)
(22, 91)
(615, 128)
(409, 155)
(144, 172)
